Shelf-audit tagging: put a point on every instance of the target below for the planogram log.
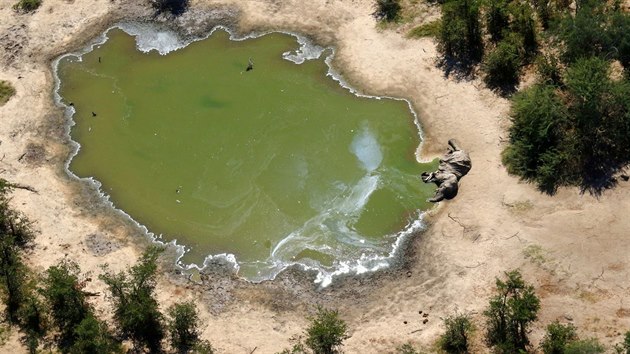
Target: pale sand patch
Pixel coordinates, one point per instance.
(573, 247)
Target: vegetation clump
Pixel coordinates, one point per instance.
(557, 338)
(6, 92)
(510, 314)
(460, 36)
(456, 338)
(388, 10)
(135, 308)
(27, 5)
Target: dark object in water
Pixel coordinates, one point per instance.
(99, 59)
(93, 114)
(454, 165)
(250, 65)
(71, 104)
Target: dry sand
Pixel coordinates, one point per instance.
(572, 247)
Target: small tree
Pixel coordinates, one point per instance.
(326, 332)
(624, 347)
(183, 326)
(497, 18)
(34, 321)
(66, 299)
(135, 307)
(557, 338)
(460, 33)
(510, 313)
(458, 330)
(502, 66)
(92, 336)
(389, 10)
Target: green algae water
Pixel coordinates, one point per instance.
(271, 167)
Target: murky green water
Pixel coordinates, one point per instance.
(276, 165)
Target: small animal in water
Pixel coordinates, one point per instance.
(250, 65)
(93, 114)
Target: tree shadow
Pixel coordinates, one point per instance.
(596, 182)
(173, 7)
(460, 69)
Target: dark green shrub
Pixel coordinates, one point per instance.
(460, 33)
(27, 5)
(92, 336)
(135, 308)
(497, 18)
(183, 326)
(326, 332)
(549, 72)
(510, 313)
(33, 321)
(6, 92)
(536, 149)
(623, 347)
(545, 12)
(585, 346)
(619, 36)
(523, 24)
(584, 35)
(503, 65)
(66, 300)
(388, 10)
(458, 330)
(557, 338)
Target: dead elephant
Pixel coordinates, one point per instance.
(454, 165)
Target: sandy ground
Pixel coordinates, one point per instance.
(573, 247)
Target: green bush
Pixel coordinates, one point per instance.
(510, 314)
(584, 35)
(497, 18)
(326, 332)
(535, 153)
(557, 338)
(623, 347)
(92, 336)
(388, 10)
(66, 299)
(135, 308)
(27, 5)
(6, 92)
(183, 326)
(503, 65)
(549, 72)
(460, 33)
(585, 346)
(458, 330)
(524, 26)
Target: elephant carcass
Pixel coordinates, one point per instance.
(454, 165)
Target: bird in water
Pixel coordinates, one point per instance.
(250, 65)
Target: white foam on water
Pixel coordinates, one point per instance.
(366, 148)
(151, 37)
(307, 51)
